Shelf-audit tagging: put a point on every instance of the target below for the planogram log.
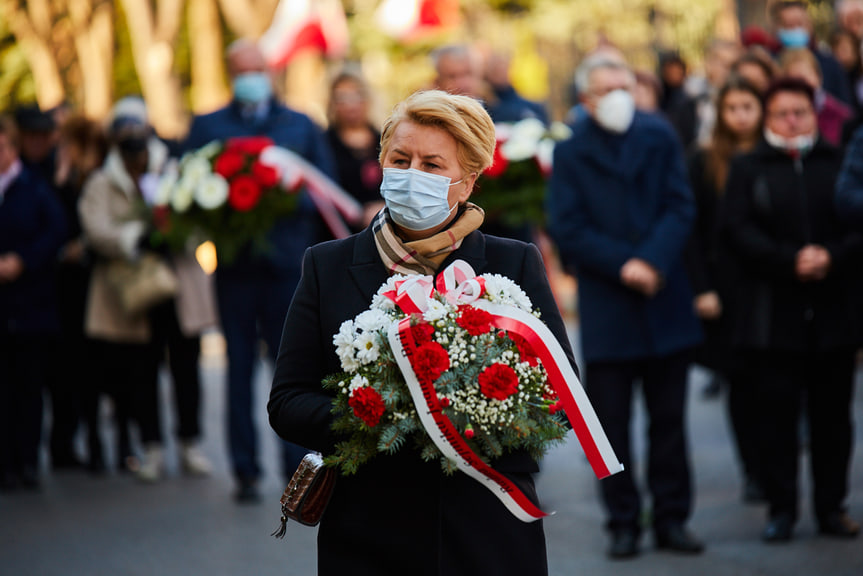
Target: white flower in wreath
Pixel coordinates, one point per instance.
(343, 340)
(502, 290)
(184, 194)
(372, 320)
(380, 302)
(209, 151)
(367, 347)
(559, 131)
(196, 170)
(165, 188)
(358, 382)
(212, 192)
(516, 150)
(436, 310)
(545, 154)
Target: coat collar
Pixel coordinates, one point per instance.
(619, 154)
(368, 272)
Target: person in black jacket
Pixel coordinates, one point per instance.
(400, 514)
(32, 229)
(737, 130)
(795, 315)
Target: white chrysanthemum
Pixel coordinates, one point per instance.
(502, 290)
(531, 129)
(358, 382)
(381, 302)
(516, 149)
(165, 189)
(184, 194)
(372, 320)
(211, 192)
(343, 340)
(436, 310)
(196, 169)
(367, 347)
(502, 131)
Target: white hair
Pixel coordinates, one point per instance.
(598, 61)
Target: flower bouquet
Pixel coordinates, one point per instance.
(463, 372)
(512, 189)
(225, 192)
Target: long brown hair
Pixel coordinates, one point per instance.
(724, 142)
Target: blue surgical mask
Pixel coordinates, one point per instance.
(793, 37)
(416, 200)
(253, 87)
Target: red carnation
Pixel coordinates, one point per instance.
(498, 381)
(267, 176)
(228, 164)
(244, 193)
(422, 333)
(474, 320)
(525, 350)
(252, 145)
(499, 164)
(367, 404)
(429, 361)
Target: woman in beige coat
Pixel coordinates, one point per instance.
(115, 227)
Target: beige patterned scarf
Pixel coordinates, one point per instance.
(425, 255)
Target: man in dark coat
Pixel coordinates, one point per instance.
(797, 297)
(254, 291)
(32, 229)
(620, 210)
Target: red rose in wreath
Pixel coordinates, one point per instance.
(252, 145)
(367, 405)
(429, 361)
(498, 381)
(229, 164)
(474, 320)
(499, 163)
(244, 193)
(267, 176)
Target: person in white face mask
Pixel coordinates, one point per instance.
(433, 146)
(798, 309)
(620, 210)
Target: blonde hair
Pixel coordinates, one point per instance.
(461, 117)
(799, 56)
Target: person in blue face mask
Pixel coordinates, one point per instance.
(793, 29)
(433, 147)
(254, 291)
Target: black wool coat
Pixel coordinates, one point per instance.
(774, 206)
(398, 514)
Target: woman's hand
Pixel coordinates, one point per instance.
(708, 306)
(812, 263)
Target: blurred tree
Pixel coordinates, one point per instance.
(153, 31)
(248, 18)
(209, 90)
(93, 31)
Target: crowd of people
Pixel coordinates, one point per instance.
(714, 219)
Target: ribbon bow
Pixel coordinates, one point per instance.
(458, 284)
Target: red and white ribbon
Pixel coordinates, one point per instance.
(412, 296)
(334, 204)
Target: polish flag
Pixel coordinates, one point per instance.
(305, 25)
(409, 20)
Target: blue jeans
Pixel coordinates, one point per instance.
(253, 302)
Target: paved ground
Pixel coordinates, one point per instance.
(78, 525)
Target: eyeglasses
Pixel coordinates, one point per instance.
(796, 113)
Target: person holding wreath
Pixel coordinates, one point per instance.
(433, 147)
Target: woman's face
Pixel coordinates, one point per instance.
(433, 150)
(350, 106)
(741, 112)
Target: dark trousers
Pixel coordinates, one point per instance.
(22, 376)
(744, 417)
(610, 387)
(827, 377)
(183, 354)
(253, 303)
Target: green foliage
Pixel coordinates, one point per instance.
(514, 198)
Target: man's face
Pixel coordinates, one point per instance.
(603, 81)
(36, 146)
(793, 17)
(246, 60)
(8, 153)
(458, 74)
(791, 114)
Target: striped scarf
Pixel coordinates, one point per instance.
(426, 255)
